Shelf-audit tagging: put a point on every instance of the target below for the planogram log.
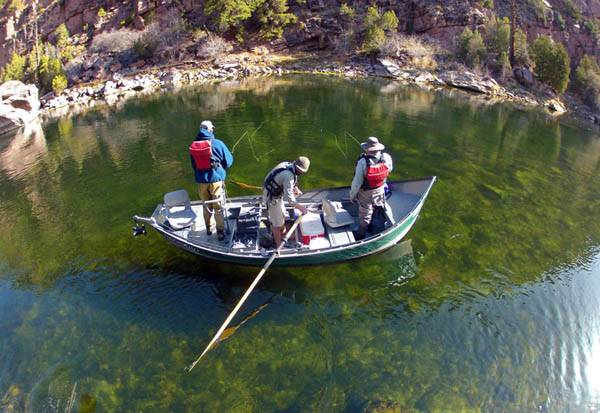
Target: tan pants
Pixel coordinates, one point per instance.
(208, 192)
(368, 199)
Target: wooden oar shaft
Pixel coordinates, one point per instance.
(247, 293)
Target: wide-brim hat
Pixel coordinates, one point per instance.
(302, 163)
(372, 144)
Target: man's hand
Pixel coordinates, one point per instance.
(351, 199)
(302, 209)
(297, 192)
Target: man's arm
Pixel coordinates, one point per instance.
(359, 175)
(226, 158)
(287, 179)
(387, 159)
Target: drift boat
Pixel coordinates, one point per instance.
(324, 236)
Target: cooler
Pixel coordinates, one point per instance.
(311, 227)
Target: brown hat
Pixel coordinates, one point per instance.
(372, 144)
(302, 163)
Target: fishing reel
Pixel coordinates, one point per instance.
(139, 230)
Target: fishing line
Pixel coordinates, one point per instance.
(249, 138)
(238, 141)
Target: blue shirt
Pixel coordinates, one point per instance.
(221, 154)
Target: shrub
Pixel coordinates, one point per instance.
(269, 16)
(228, 14)
(62, 36)
(146, 45)
(114, 41)
(371, 17)
(420, 53)
(272, 17)
(389, 21)
(214, 46)
(376, 27)
(503, 67)
(347, 11)
(591, 28)
(521, 49)
(551, 62)
(586, 80)
(571, 9)
(374, 40)
(462, 43)
(498, 35)
(50, 67)
(470, 48)
(15, 69)
(59, 83)
(560, 22)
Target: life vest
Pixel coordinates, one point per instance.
(201, 151)
(377, 171)
(273, 188)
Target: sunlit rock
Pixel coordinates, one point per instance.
(19, 105)
(556, 106)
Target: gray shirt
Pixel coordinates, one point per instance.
(361, 171)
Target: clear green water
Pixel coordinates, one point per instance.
(492, 306)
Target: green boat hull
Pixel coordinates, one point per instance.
(376, 244)
(404, 205)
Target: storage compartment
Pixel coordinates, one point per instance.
(311, 227)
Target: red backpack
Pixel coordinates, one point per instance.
(201, 151)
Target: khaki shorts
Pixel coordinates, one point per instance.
(275, 210)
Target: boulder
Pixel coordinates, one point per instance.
(386, 68)
(556, 105)
(524, 76)
(19, 105)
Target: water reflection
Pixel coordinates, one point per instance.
(20, 151)
(495, 293)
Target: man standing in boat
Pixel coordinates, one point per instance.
(279, 186)
(370, 173)
(210, 157)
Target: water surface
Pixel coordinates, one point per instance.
(490, 305)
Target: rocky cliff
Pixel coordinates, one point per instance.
(318, 27)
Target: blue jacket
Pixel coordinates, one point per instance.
(221, 154)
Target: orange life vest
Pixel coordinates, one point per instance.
(377, 171)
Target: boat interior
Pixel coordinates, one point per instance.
(331, 222)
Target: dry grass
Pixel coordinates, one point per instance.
(421, 52)
(214, 46)
(115, 41)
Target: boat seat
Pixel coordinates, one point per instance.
(335, 215)
(178, 208)
(340, 236)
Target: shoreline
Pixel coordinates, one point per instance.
(123, 85)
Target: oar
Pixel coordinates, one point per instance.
(247, 293)
(228, 332)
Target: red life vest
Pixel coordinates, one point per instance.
(377, 171)
(201, 151)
